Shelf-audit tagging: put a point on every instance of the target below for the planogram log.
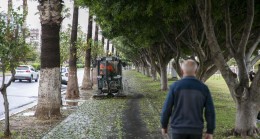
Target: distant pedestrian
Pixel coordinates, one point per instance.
(184, 105)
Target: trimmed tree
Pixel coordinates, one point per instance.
(72, 86)
(49, 93)
(87, 83)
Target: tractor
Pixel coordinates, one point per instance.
(109, 77)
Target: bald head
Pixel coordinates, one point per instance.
(189, 67)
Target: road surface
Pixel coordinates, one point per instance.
(21, 94)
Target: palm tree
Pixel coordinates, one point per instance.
(49, 94)
(72, 87)
(87, 83)
(25, 13)
(107, 47)
(95, 55)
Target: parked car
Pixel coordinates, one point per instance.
(26, 72)
(64, 75)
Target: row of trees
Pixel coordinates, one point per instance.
(151, 33)
(56, 49)
(14, 50)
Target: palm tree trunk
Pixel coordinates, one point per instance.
(94, 76)
(87, 83)
(49, 93)
(25, 13)
(103, 42)
(107, 47)
(73, 87)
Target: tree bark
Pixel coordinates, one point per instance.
(143, 70)
(246, 116)
(25, 13)
(9, 10)
(7, 132)
(147, 70)
(72, 86)
(154, 74)
(95, 81)
(103, 42)
(107, 47)
(137, 68)
(113, 50)
(87, 83)
(49, 96)
(49, 92)
(164, 79)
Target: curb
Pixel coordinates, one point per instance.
(23, 107)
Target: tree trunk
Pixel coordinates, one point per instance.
(94, 75)
(95, 72)
(73, 87)
(9, 10)
(113, 50)
(137, 68)
(147, 70)
(49, 96)
(173, 73)
(25, 13)
(143, 70)
(246, 119)
(246, 97)
(49, 92)
(87, 83)
(154, 74)
(164, 80)
(103, 42)
(7, 132)
(107, 47)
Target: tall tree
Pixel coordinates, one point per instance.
(96, 34)
(87, 83)
(245, 95)
(72, 86)
(9, 12)
(25, 13)
(95, 53)
(107, 48)
(49, 93)
(103, 42)
(113, 50)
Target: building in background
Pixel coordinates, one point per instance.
(34, 38)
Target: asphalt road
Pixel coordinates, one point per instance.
(21, 94)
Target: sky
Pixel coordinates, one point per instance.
(33, 21)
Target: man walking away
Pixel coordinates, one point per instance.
(189, 97)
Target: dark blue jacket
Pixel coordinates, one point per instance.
(189, 97)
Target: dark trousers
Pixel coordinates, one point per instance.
(186, 136)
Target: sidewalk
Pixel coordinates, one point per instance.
(94, 119)
(111, 118)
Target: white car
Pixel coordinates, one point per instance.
(64, 75)
(26, 72)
